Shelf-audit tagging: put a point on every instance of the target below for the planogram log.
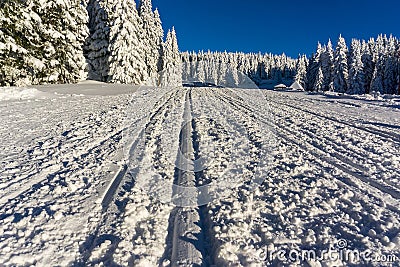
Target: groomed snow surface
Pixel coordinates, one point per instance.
(87, 178)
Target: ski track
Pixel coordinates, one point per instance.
(81, 178)
(316, 145)
(359, 157)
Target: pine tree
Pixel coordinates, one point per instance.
(126, 59)
(158, 38)
(200, 71)
(340, 67)
(97, 45)
(377, 82)
(301, 70)
(67, 31)
(313, 66)
(378, 47)
(327, 67)
(356, 69)
(152, 35)
(390, 74)
(14, 46)
(319, 80)
(398, 67)
(41, 42)
(369, 66)
(172, 65)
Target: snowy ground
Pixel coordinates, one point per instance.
(88, 172)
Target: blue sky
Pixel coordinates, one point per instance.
(278, 26)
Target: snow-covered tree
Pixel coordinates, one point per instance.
(115, 50)
(159, 36)
(377, 82)
(390, 76)
(340, 67)
(356, 69)
(200, 71)
(152, 36)
(97, 45)
(172, 65)
(301, 70)
(41, 41)
(327, 67)
(126, 59)
(319, 80)
(369, 65)
(313, 66)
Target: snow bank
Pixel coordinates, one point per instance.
(17, 93)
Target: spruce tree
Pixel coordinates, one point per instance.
(301, 70)
(340, 67)
(327, 67)
(126, 59)
(97, 45)
(390, 75)
(41, 42)
(115, 50)
(319, 80)
(313, 66)
(356, 69)
(152, 36)
(369, 66)
(172, 65)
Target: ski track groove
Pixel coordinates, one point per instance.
(112, 200)
(334, 103)
(384, 135)
(183, 219)
(123, 177)
(326, 157)
(338, 149)
(33, 184)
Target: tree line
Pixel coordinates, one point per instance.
(366, 67)
(65, 41)
(218, 67)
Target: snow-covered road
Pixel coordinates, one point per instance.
(224, 177)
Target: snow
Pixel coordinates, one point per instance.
(280, 86)
(17, 93)
(296, 86)
(87, 175)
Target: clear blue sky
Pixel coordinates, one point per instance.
(290, 26)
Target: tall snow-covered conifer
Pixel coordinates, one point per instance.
(172, 64)
(41, 41)
(340, 67)
(319, 80)
(301, 70)
(356, 69)
(115, 50)
(152, 36)
(327, 67)
(313, 66)
(127, 54)
(369, 65)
